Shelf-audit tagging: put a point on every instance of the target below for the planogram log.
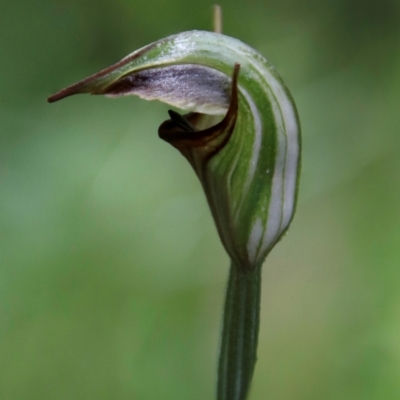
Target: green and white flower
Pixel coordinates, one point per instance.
(241, 134)
(242, 137)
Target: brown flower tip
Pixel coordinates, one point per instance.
(200, 145)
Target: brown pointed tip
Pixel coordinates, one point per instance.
(57, 96)
(94, 84)
(86, 85)
(68, 91)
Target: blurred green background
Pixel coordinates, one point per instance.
(112, 276)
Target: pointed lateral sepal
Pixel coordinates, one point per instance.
(199, 146)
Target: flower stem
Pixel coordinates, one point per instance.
(238, 353)
(217, 14)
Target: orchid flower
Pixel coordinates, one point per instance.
(241, 136)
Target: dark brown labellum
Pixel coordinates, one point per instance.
(199, 145)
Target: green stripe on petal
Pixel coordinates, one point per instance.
(251, 180)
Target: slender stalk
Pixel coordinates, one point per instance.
(238, 353)
(217, 18)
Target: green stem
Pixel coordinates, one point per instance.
(238, 353)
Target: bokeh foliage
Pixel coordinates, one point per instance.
(111, 271)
